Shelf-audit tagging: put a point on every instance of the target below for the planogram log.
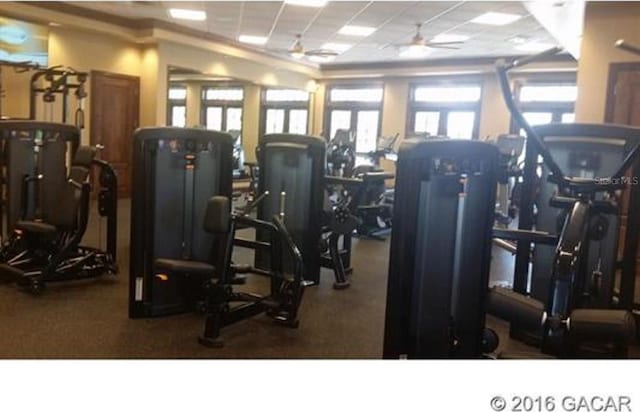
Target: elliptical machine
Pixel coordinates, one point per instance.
(569, 321)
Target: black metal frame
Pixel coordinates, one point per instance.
(286, 289)
(59, 82)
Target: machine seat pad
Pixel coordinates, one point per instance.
(241, 268)
(184, 267)
(35, 227)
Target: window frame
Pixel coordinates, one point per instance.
(224, 104)
(287, 106)
(444, 108)
(171, 103)
(353, 107)
(556, 108)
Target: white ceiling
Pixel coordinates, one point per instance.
(394, 21)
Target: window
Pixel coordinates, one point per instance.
(177, 106)
(222, 107)
(543, 102)
(442, 109)
(357, 109)
(285, 111)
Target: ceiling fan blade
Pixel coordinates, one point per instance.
(439, 46)
(321, 53)
(442, 43)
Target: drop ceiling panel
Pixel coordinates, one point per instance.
(394, 22)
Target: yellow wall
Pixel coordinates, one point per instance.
(193, 104)
(604, 24)
(15, 101)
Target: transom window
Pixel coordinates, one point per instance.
(356, 109)
(543, 101)
(285, 111)
(443, 109)
(222, 107)
(177, 106)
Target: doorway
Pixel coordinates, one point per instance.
(115, 107)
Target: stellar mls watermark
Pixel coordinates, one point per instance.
(623, 180)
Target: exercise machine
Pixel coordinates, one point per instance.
(49, 82)
(292, 167)
(566, 318)
(509, 180)
(175, 173)
(441, 250)
(341, 154)
(183, 236)
(222, 304)
(48, 206)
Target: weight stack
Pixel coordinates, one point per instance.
(294, 165)
(440, 249)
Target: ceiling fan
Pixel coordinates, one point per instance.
(419, 45)
(297, 50)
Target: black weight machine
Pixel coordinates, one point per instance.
(576, 314)
(58, 80)
(48, 206)
(441, 250)
(360, 190)
(510, 178)
(183, 236)
(295, 165)
(441, 247)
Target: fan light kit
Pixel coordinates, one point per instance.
(419, 46)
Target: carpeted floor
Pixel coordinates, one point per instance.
(89, 319)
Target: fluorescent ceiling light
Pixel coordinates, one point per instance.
(442, 38)
(338, 47)
(321, 59)
(415, 52)
(496, 19)
(186, 14)
(534, 47)
(258, 40)
(306, 3)
(362, 31)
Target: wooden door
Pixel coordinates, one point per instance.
(115, 103)
(623, 107)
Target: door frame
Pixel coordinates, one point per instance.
(632, 226)
(612, 79)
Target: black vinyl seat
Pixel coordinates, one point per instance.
(190, 267)
(36, 227)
